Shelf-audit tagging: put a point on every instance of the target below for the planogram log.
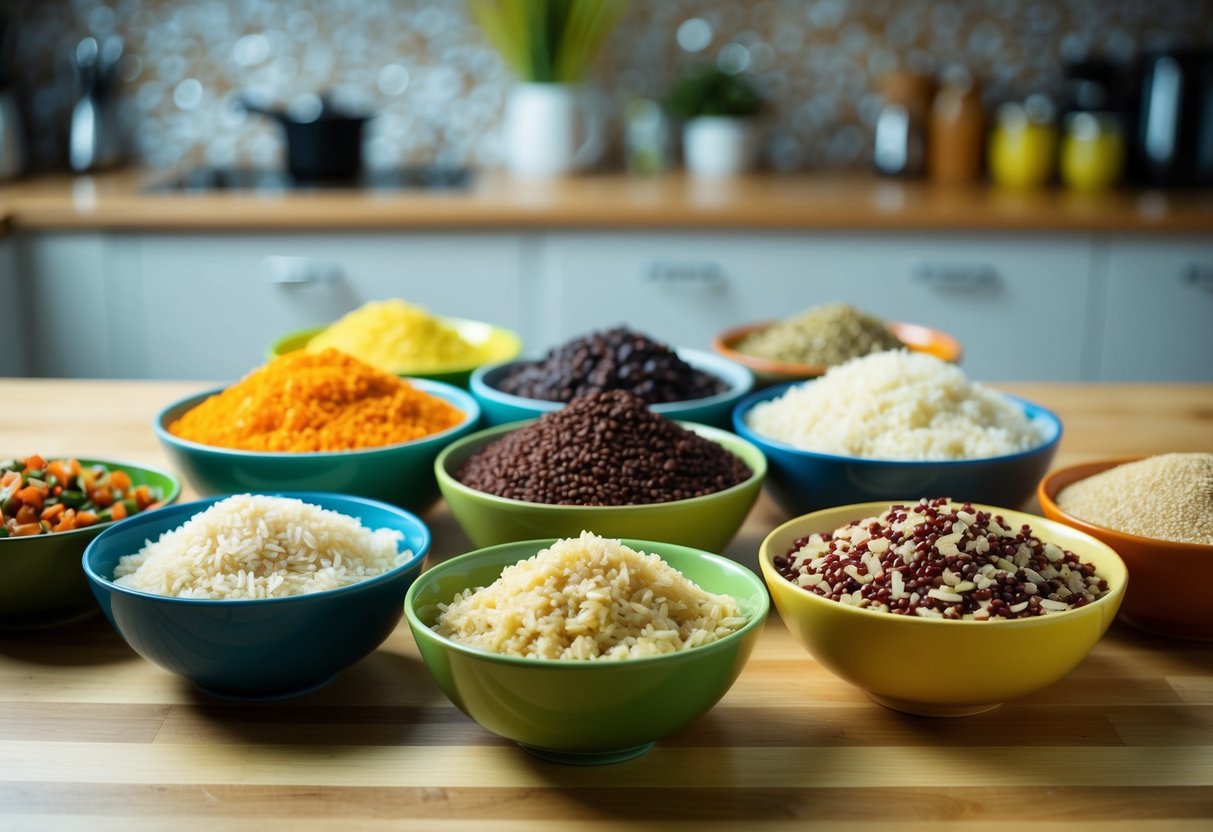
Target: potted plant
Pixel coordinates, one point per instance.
(717, 110)
(552, 124)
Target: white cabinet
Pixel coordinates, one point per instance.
(1020, 306)
(70, 316)
(1159, 320)
(12, 313)
(211, 304)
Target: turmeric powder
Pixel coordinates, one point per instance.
(324, 401)
(398, 337)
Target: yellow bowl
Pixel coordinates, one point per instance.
(495, 343)
(768, 371)
(934, 667)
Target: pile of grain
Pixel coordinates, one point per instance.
(822, 337)
(589, 598)
(896, 405)
(255, 546)
(1167, 497)
(397, 337)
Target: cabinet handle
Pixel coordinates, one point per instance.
(707, 275)
(961, 278)
(299, 271)
(1198, 275)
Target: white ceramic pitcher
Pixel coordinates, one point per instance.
(553, 129)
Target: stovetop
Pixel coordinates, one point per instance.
(427, 177)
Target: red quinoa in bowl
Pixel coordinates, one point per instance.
(941, 559)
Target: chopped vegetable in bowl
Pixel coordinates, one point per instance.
(40, 497)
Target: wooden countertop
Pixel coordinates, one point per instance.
(496, 201)
(92, 737)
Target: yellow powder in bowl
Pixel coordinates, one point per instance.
(398, 337)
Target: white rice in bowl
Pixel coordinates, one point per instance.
(896, 405)
(589, 598)
(255, 546)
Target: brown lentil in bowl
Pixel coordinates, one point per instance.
(941, 559)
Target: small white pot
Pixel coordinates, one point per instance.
(553, 129)
(718, 146)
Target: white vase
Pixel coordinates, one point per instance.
(552, 129)
(718, 146)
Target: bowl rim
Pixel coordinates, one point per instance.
(1048, 489)
(456, 397)
(699, 359)
(1031, 409)
(447, 479)
(112, 464)
(274, 351)
(534, 546)
(724, 343)
(861, 510)
(195, 507)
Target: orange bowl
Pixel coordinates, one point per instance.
(1169, 583)
(767, 371)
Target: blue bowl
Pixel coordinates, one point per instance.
(261, 648)
(804, 481)
(401, 474)
(501, 408)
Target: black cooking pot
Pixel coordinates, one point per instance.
(326, 147)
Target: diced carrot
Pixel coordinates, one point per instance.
(143, 497)
(34, 463)
(118, 511)
(86, 518)
(60, 470)
(27, 514)
(51, 512)
(10, 478)
(31, 496)
(67, 522)
(24, 529)
(120, 479)
(102, 497)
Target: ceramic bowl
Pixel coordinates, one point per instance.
(802, 481)
(401, 474)
(934, 667)
(767, 371)
(501, 408)
(1169, 591)
(584, 712)
(44, 585)
(707, 522)
(260, 648)
(495, 342)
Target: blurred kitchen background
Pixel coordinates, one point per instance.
(1034, 177)
(439, 88)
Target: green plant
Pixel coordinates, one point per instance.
(711, 92)
(548, 41)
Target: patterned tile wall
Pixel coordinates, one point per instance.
(439, 89)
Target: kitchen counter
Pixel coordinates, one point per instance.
(92, 737)
(117, 201)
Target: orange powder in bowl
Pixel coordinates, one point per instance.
(324, 401)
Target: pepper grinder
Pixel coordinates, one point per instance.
(901, 125)
(93, 141)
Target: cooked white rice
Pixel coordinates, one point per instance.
(896, 405)
(253, 546)
(589, 598)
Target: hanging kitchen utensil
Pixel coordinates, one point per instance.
(93, 141)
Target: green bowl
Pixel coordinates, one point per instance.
(400, 474)
(584, 712)
(44, 583)
(707, 522)
(497, 343)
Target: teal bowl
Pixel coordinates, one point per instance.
(496, 343)
(400, 474)
(256, 648)
(501, 408)
(707, 522)
(804, 481)
(584, 712)
(44, 585)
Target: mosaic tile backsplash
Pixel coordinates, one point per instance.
(439, 89)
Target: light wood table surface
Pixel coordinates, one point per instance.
(92, 737)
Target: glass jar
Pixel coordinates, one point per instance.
(1092, 151)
